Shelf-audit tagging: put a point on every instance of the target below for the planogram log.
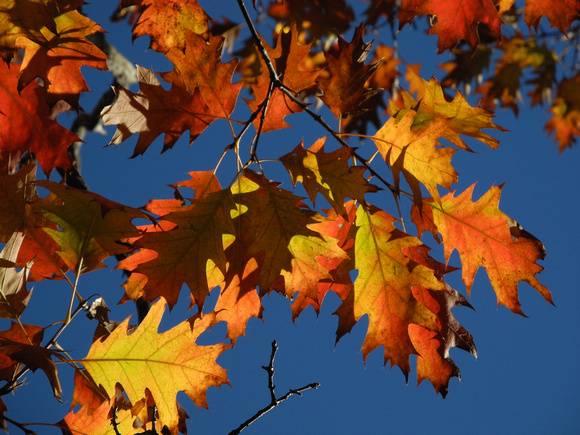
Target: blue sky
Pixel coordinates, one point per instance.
(527, 375)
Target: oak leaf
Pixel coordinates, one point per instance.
(88, 421)
(38, 247)
(17, 194)
(91, 226)
(461, 118)
(486, 237)
(186, 243)
(30, 128)
(25, 19)
(416, 153)
(560, 13)
(310, 264)
(165, 363)
(454, 19)
(565, 121)
(166, 22)
(519, 54)
(86, 394)
(287, 58)
(200, 67)
(339, 229)
(58, 61)
(433, 361)
(271, 218)
(383, 288)
(345, 91)
(239, 301)
(154, 111)
(327, 173)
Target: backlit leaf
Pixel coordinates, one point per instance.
(164, 363)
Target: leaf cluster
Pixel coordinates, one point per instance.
(246, 234)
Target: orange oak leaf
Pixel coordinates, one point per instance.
(27, 127)
(13, 290)
(327, 173)
(287, 58)
(454, 19)
(58, 61)
(383, 288)
(312, 257)
(433, 361)
(565, 121)
(345, 91)
(200, 67)
(340, 229)
(485, 236)
(165, 363)
(90, 226)
(166, 22)
(154, 111)
(86, 393)
(430, 364)
(187, 243)
(271, 218)
(88, 421)
(202, 182)
(239, 301)
(560, 13)
(415, 152)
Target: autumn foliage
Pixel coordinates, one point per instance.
(248, 235)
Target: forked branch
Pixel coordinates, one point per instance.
(276, 82)
(273, 401)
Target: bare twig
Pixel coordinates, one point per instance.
(114, 421)
(273, 401)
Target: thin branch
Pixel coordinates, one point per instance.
(18, 425)
(254, 147)
(273, 75)
(277, 83)
(273, 401)
(13, 384)
(114, 421)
